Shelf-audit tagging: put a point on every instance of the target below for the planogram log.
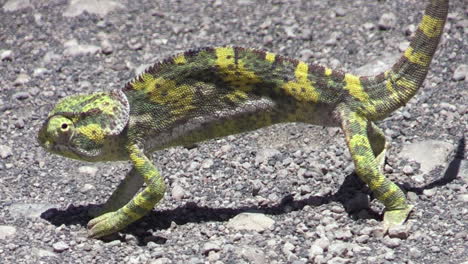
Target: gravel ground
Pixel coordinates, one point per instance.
(285, 194)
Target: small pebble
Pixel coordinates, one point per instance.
(408, 170)
(387, 21)
(20, 96)
(60, 246)
(5, 151)
(6, 55)
(391, 242)
(460, 73)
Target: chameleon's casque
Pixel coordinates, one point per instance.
(214, 92)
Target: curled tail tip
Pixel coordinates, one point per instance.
(407, 75)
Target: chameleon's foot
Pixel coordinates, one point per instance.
(395, 218)
(107, 224)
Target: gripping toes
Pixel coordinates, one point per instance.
(107, 224)
(395, 217)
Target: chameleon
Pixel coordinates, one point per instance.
(214, 92)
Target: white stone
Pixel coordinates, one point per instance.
(251, 221)
(264, 155)
(39, 72)
(87, 187)
(7, 231)
(253, 255)
(460, 73)
(21, 79)
(314, 250)
(29, 209)
(73, 48)
(88, 170)
(428, 153)
(60, 246)
(100, 8)
(339, 248)
(6, 55)
(288, 248)
(5, 151)
(178, 192)
(43, 253)
(14, 5)
(211, 246)
(463, 197)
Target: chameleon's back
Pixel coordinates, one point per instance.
(227, 90)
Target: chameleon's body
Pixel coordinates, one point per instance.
(214, 92)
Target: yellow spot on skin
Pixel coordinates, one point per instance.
(130, 213)
(224, 56)
(93, 131)
(391, 190)
(376, 183)
(406, 83)
(138, 161)
(167, 92)
(354, 117)
(302, 88)
(328, 71)
(236, 75)
(301, 71)
(143, 203)
(358, 140)
(431, 26)
(147, 80)
(355, 88)
(270, 57)
(386, 73)
(237, 96)
(180, 59)
(101, 101)
(417, 57)
(390, 88)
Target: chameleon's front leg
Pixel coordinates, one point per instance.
(140, 205)
(367, 157)
(126, 190)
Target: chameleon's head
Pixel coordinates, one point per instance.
(80, 126)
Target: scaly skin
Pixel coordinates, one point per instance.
(214, 92)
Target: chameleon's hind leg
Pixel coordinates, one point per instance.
(378, 143)
(355, 128)
(127, 188)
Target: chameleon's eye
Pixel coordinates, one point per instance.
(64, 127)
(60, 129)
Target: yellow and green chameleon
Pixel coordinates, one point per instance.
(215, 92)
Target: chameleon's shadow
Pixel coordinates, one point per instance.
(192, 213)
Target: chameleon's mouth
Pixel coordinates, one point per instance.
(42, 138)
(68, 151)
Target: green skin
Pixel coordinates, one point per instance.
(214, 92)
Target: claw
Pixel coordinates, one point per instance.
(106, 224)
(395, 217)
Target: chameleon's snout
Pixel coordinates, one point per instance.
(42, 137)
(58, 130)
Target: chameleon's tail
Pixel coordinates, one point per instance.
(403, 80)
